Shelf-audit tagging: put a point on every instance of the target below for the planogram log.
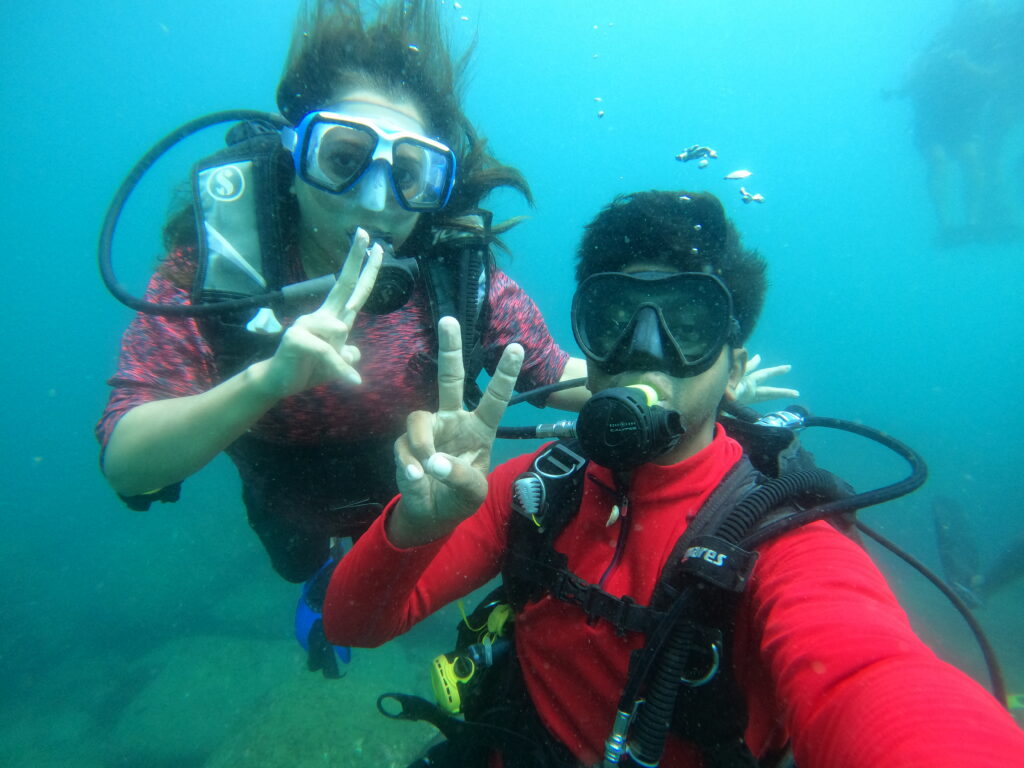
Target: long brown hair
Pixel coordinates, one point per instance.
(400, 48)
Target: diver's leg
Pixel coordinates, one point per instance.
(958, 550)
(980, 205)
(295, 554)
(1001, 134)
(1007, 569)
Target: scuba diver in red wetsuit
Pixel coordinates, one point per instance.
(662, 602)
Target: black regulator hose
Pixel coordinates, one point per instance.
(654, 719)
(128, 186)
(558, 386)
(995, 672)
(918, 474)
(771, 494)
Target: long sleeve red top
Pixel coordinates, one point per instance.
(822, 650)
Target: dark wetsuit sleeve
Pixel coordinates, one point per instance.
(515, 318)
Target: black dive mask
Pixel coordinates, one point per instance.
(620, 428)
(395, 281)
(674, 322)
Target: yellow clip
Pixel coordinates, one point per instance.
(498, 618)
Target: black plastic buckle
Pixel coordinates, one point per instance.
(559, 460)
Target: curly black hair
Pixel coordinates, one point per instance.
(684, 230)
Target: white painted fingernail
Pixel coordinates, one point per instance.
(439, 466)
(413, 472)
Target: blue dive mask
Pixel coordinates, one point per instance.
(332, 152)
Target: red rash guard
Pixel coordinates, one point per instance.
(822, 649)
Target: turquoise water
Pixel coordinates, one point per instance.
(163, 638)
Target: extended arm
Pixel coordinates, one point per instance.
(164, 441)
(858, 686)
(571, 399)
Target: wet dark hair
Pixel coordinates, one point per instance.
(687, 231)
(399, 48)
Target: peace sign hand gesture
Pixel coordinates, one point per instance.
(315, 349)
(443, 458)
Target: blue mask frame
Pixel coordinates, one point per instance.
(437, 173)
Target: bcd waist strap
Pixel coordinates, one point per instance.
(553, 578)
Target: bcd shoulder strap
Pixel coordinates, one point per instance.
(710, 710)
(244, 219)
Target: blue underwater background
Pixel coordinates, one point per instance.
(164, 638)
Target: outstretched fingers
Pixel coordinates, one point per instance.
(499, 391)
(364, 285)
(762, 393)
(767, 373)
(776, 393)
(356, 280)
(451, 372)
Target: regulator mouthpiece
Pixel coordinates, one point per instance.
(395, 281)
(622, 428)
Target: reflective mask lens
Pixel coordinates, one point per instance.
(672, 322)
(332, 152)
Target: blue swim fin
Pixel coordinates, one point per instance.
(309, 625)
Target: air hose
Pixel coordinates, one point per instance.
(121, 198)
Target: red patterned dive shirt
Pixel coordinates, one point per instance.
(164, 357)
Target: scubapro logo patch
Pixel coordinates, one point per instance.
(226, 184)
(706, 554)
